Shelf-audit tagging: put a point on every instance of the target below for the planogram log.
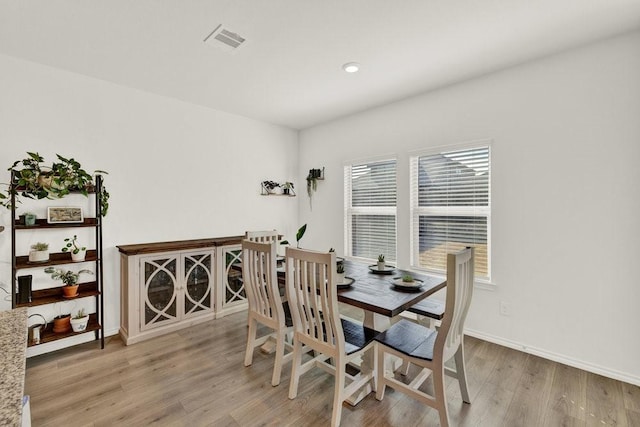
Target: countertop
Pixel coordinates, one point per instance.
(13, 354)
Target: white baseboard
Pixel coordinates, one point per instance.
(580, 364)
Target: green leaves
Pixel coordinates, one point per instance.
(301, 232)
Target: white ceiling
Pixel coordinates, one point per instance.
(289, 72)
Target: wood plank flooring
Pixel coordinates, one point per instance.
(196, 377)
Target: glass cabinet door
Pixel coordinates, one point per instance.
(198, 279)
(233, 292)
(159, 303)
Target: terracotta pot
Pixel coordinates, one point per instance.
(70, 291)
(62, 324)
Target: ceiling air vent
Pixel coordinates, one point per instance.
(222, 37)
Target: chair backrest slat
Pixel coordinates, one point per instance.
(266, 236)
(260, 279)
(459, 292)
(313, 298)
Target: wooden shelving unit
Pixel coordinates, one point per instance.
(52, 295)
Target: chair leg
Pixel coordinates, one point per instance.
(380, 380)
(295, 367)
(440, 396)
(251, 337)
(277, 364)
(404, 369)
(338, 394)
(462, 374)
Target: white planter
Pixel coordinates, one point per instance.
(79, 325)
(340, 278)
(79, 256)
(381, 265)
(38, 256)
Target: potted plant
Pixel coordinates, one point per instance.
(340, 270)
(79, 321)
(29, 219)
(408, 279)
(287, 188)
(62, 323)
(299, 235)
(269, 187)
(381, 263)
(77, 251)
(39, 252)
(312, 181)
(68, 278)
(35, 180)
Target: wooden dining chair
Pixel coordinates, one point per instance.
(430, 348)
(265, 305)
(265, 236)
(312, 294)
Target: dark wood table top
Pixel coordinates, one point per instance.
(376, 293)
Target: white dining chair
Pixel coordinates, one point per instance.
(430, 348)
(312, 294)
(265, 305)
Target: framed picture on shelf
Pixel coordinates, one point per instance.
(64, 215)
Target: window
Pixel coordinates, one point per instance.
(451, 207)
(370, 209)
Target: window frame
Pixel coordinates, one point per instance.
(350, 210)
(415, 211)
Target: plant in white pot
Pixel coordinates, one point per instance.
(39, 252)
(79, 321)
(77, 251)
(381, 263)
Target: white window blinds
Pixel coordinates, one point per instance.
(370, 209)
(450, 207)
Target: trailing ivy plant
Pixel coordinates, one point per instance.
(35, 180)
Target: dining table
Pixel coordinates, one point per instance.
(382, 301)
(376, 293)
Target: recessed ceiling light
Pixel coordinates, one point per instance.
(351, 67)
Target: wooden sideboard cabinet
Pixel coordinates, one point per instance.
(172, 285)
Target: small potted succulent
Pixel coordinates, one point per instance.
(30, 219)
(381, 263)
(340, 270)
(287, 188)
(39, 252)
(68, 278)
(79, 321)
(77, 251)
(408, 279)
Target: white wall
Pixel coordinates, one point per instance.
(176, 171)
(565, 195)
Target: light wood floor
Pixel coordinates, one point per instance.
(196, 378)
